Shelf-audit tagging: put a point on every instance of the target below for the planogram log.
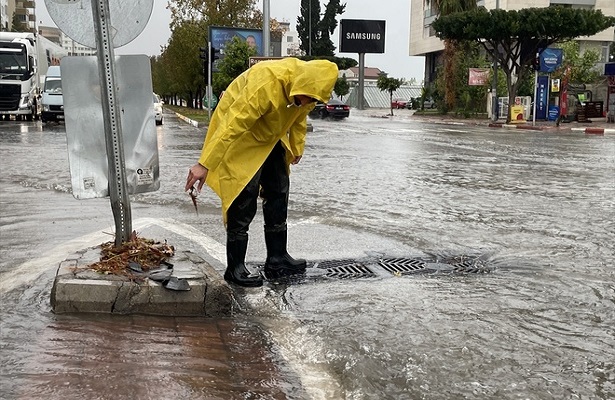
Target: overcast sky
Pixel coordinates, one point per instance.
(395, 61)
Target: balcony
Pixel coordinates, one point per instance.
(584, 3)
(26, 4)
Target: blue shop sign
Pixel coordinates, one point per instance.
(541, 97)
(550, 59)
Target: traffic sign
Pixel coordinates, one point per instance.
(75, 19)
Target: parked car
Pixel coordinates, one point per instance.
(52, 101)
(157, 109)
(429, 103)
(399, 103)
(333, 109)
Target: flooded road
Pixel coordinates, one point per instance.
(537, 208)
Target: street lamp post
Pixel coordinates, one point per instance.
(494, 84)
(266, 29)
(310, 28)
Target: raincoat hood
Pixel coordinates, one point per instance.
(314, 79)
(254, 115)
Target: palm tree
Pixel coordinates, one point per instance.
(386, 84)
(446, 7)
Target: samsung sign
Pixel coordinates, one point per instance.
(361, 36)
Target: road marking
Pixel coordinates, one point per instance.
(315, 377)
(32, 269)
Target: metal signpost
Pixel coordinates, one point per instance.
(74, 18)
(118, 193)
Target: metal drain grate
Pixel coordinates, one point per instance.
(345, 269)
(402, 266)
(468, 265)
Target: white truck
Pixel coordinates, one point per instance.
(24, 59)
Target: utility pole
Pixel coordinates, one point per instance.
(266, 28)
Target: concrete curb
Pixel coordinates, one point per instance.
(594, 131)
(78, 289)
(589, 131)
(188, 120)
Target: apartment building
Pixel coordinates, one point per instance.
(23, 10)
(423, 41)
(72, 48)
(4, 16)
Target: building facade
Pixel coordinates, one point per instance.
(21, 9)
(423, 41)
(72, 48)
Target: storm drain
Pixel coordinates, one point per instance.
(345, 269)
(468, 265)
(402, 266)
(375, 267)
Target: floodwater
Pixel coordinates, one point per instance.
(537, 208)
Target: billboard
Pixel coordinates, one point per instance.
(362, 36)
(219, 36)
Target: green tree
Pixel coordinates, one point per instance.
(581, 67)
(182, 62)
(315, 32)
(237, 13)
(236, 60)
(514, 37)
(160, 79)
(468, 99)
(341, 88)
(17, 25)
(390, 85)
(190, 22)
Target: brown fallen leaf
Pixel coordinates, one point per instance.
(193, 193)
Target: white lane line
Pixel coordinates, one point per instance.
(32, 269)
(315, 378)
(211, 246)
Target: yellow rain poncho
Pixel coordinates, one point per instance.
(253, 116)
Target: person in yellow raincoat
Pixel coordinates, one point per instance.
(256, 132)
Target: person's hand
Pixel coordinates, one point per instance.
(296, 160)
(196, 173)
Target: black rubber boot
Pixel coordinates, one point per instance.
(279, 262)
(236, 271)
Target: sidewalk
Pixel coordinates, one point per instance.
(598, 126)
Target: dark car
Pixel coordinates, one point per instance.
(332, 109)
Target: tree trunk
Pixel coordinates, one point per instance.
(450, 65)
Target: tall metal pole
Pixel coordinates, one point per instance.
(535, 94)
(118, 190)
(494, 84)
(361, 80)
(266, 29)
(310, 28)
(209, 74)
